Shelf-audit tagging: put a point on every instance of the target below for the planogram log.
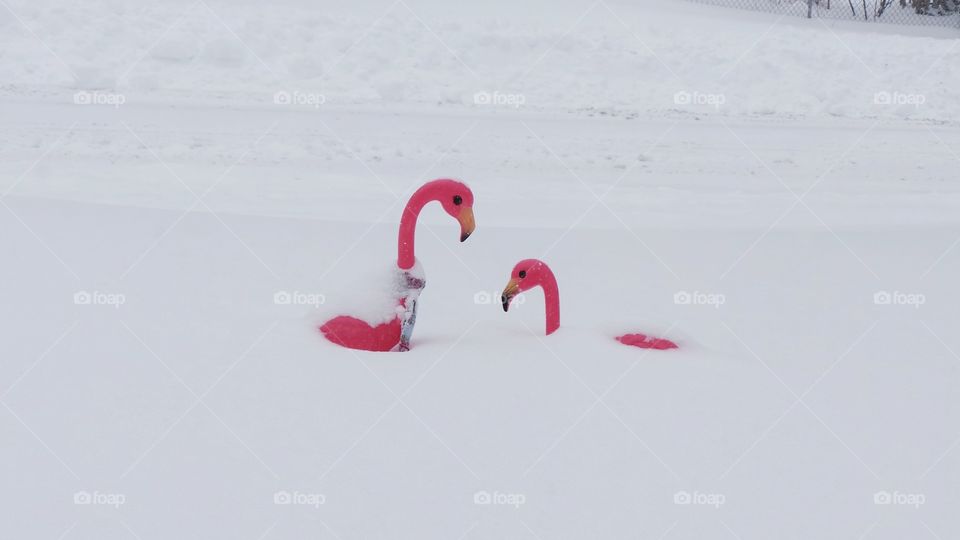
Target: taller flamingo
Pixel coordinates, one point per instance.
(530, 273)
(457, 200)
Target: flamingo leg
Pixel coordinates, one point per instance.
(408, 319)
(406, 326)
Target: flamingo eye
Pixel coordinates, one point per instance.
(522, 274)
(457, 200)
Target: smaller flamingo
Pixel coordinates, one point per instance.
(531, 273)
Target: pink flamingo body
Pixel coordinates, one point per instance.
(351, 332)
(531, 273)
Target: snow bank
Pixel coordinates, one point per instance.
(605, 58)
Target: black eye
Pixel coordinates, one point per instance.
(522, 274)
(457, 200)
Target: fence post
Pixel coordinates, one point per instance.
(809, 9)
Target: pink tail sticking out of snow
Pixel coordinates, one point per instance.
(646, 342)
(353, 333)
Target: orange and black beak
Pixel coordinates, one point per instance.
(467, 223)
(512, 289)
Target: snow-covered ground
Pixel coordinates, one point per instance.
(799, 240)
(614, 57)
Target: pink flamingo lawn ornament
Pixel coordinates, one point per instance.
(351, 332)
(531, 273)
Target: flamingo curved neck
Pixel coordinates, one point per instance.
(406, 257)
(551, 300)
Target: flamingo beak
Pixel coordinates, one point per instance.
(512, 289)
(467, 223)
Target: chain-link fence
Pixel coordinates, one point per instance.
(919, 12)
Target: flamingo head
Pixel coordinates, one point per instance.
(527, 274)
(457, 201)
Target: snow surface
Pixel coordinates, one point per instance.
(619, 57)
(168, 258)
